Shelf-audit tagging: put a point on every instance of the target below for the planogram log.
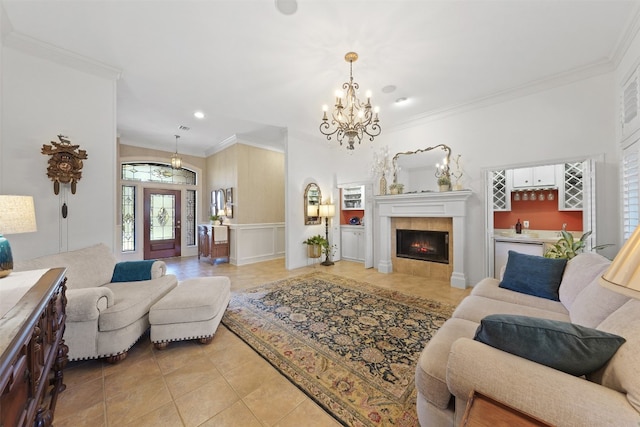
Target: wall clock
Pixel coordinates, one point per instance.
(65, 163)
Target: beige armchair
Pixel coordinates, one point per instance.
(104, 319)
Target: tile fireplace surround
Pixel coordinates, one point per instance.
(447, 204)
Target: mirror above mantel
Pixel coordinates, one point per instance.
(418, 171)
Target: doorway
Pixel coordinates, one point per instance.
(162, 223)
(574, 185)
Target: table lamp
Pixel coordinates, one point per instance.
(326, 211)
(623, 275)
(17, 215)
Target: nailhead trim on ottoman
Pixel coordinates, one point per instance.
(192, 310)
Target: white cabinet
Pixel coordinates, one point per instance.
(353, 198)
(539, 176)
(502, 248)
(500, 191)
(352, 244)
(571, 188)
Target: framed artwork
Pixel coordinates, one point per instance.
(229, 204)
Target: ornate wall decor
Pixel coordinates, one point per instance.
(65, 163)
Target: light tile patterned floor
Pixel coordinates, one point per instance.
(224, 383)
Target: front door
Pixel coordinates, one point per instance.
(161, 223)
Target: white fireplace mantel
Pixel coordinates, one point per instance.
(446, 204)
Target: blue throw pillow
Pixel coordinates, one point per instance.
(533, 275)
(574, 349)
(132, 271)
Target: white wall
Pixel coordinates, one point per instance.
(41, 99)
(309, 158)
(574, 120)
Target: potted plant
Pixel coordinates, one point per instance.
(568, 247)
(396, 188)
(444, 182)
(315, 246)
(215, 219)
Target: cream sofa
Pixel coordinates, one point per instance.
(453, 364)
(103, 319)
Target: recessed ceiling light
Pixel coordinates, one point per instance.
(199, 114)
(287, 7)
(388, 89)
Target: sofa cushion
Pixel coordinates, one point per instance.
(489, 288)
(86, 268)
(131, 271)
(431, 372)
(476, 308)
(579, 272)
(133, 301)
(570, 348)
(623, 370)
(594, 304)
(533, 275)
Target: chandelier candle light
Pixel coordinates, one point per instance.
(351, 118)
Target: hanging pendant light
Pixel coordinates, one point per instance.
(351, 118)
(176, 161)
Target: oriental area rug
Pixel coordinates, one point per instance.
(350, 346)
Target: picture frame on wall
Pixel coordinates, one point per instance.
(229, 204)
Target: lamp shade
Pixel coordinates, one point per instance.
(327, 211)
(312, 210)
(221, 212)
(17, 215)
(623, 275)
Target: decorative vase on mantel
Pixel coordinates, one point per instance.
(445, 187)
(383, 185)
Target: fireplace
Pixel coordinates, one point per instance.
(423, 245)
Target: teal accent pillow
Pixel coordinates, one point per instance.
(132, 271)
(574, 349)
(533, 275)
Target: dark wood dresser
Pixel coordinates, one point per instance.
(33, 353)
(209, 245)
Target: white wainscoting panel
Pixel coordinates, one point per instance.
(251, 243)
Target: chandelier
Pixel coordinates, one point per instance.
(176, 161)
(351, 118)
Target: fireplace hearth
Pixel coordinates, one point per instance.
(423, 245)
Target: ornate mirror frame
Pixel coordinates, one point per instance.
(312, 200)
(443, 147)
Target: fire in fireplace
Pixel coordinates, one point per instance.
(423, 245)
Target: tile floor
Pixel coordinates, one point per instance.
(224, 383)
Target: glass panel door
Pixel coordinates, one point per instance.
(162, 234)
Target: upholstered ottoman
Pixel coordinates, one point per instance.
(192, 310)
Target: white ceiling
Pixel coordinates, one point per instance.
(253, 70)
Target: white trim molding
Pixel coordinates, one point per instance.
(447, 204)
(251, 243)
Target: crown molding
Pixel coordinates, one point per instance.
(224, 144)
(557, 80)
(627, 37)
(40, 49)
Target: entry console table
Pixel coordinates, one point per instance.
(213, 241)
(32, 321)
